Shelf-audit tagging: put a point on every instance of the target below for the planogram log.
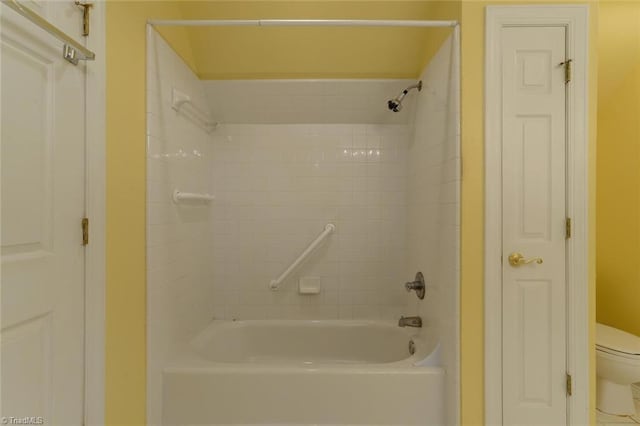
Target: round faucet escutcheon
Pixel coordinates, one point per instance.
(418, 285)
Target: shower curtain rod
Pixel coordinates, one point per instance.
(301, 23)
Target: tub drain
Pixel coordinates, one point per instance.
(412, 347)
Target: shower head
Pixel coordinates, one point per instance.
(395, 104)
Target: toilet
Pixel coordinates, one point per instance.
(617, 367)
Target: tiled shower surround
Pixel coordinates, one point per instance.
(276, 188)
(289, 157)
(179, 269)
(433, 219)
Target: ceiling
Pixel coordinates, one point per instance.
(221, 53)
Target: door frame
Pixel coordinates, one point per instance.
(95, 210)
(575, 18)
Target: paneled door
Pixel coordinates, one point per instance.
(533, 226)
(43, 187)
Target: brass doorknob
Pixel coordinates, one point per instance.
(517, 259)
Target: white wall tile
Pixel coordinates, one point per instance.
(179, 288)
(433, 204)
(292, 197)
(290, 157)
(307, 101)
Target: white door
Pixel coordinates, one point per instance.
(533, 225)
(43, 184)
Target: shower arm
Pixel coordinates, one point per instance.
(418, 86)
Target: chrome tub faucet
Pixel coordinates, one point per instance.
(410, 322)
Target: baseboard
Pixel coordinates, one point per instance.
(636, 390)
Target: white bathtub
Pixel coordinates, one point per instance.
(305, 372)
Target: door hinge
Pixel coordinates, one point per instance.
(569, 385)
(567, 70)
(85, 231)
(567, 228)
(85, 6)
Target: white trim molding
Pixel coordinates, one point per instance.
(95, 269)
(575, 18)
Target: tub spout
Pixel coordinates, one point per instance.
(410, 322)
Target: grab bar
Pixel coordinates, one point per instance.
(328, 229)
(72, 50)
(179, 100)
(191, 196)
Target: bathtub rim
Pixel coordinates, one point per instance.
(426, 357)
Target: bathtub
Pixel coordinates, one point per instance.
(303, 373)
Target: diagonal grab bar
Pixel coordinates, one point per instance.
(328, 229)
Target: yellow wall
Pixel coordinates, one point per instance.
(126, 364)
(472, 290)
(315, 52)
(618, 269)
(126, 160)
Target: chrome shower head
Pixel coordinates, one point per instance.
(395, 104)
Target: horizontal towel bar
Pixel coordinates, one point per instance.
(72, 51)
(180, 100)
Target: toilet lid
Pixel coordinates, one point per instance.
(617, 340)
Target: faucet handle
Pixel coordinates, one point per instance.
(418, 285)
